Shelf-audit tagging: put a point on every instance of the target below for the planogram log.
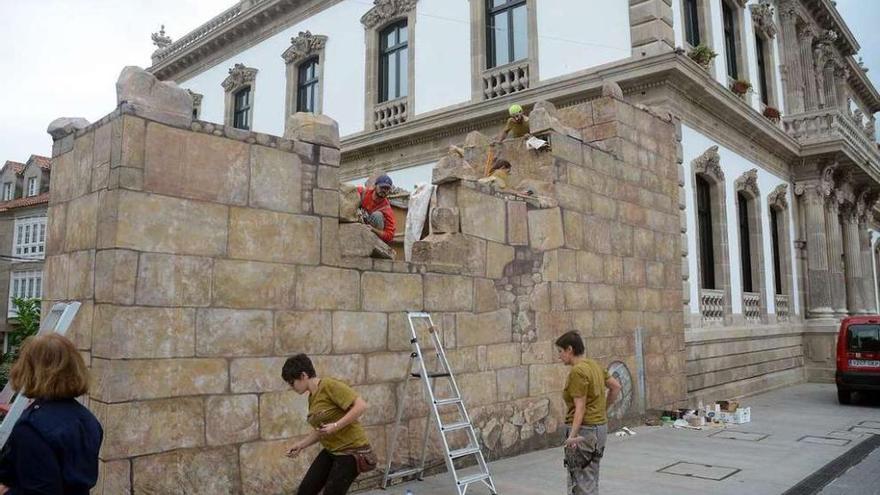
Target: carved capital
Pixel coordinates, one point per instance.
(762, 18)
(709, 163)
(866, 199)
(748, 182)
(386, 10)
(779, 197)
(303, 46)
(806, 34)
(239, 76)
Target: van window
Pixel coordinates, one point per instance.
(863, 338)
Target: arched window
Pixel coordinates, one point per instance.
(780, 250)
(393, 62)
(704, 224)
(751, 246)
(745, 251)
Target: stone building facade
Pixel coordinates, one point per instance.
(24, 199)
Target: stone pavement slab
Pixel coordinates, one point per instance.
(794, 432)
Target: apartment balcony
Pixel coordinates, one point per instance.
(834, 130)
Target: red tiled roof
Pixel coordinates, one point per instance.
(18, 167)
(24, 202)
(41, 161)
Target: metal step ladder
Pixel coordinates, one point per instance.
(58, 320)
(463, 423)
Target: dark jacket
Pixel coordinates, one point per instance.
(53, 450)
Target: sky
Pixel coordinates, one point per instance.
(62, 57)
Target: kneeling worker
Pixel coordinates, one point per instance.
(517, 125)
(376, 209)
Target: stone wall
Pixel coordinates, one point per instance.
(205, 255)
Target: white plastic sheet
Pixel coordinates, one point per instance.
(416, 212)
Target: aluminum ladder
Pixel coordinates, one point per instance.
(58, 320)
(429, 379)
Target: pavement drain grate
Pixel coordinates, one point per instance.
(864, 429)
(814, 483)
(740, 435)
(840, 442)
(701, 471)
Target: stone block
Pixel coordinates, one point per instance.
(63, 126)
(115, 276)
(212, 471)
(147, 427)
(517, 223)
(391, 292)
(482, 215)
(328, 177)
(503, 355)
(359, 332)
(382, 400)
(358, 240)
(577, 296)
(547, 378)
(280, 414)
(348, 368)
(597, 235)
(485, 295)
(448, 293)
(590, 267)
(349, 202)
(262, 235)
(498, 256)
(80, 330)
(197, 166)
(130, 332)
(545, 229)
(329, 156)
(231, 332)
(567, 265)
(444, 220)
(266, 469)
(128, 142)
(312, 128)
(444, 249)
(81, 275)
(162, 101)
(387, 367)
(82, 223)
(256, 375)
(231, 419)
(478, 389)
(451, 168)
(56, 227)
(330, 252)
(169, 280)
(276, 180)
(485, 328)
(326, 202)
(303, 331)
(113, 477)
(154, 223)
(513, 383)
(573, 223)
(254, 285)
(603, 296)
(137, 379)
(327, 288)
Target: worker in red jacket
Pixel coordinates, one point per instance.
(377, 209)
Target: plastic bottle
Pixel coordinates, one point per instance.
(408, 492)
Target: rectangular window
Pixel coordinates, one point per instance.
(507, 32)
(729, 40)
(29, 238)
(745, 251)
(777, 265)
(704, 219)
(691, 22)
(32, 186)
(863, 338)
(7, 191)
(241, 114)
(307, 86)
(393, 62)
(762, 70)
(25, 285)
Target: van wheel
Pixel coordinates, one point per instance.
(844, 396)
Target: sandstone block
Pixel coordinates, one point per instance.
(231, 419)
(197, 166)
(391, 291)
(546, 378)
(125, 380)
(251, 284)
(444, 220)
(262, 235)
(503, 355)
(448, 293)
(478, 389)
(276, 180)
(576, 296)
(348, 368)
(257, 375)
(545, 229)
(161, 224)
(387, 367)
(573, 223)
(56, 226)
(82, 223)
(231, 332)
(115, 276)
(357, 240)
(359, 332)
(62, 126)
(498, 256)
(280, 414)
(451, 168)
(303, 331)
(330, 156)
(349, 202)
(266, 469)
(326, 202)
(113, 477)
(603, 297)
(517, 223)
(485, 328)
(81, 275)
(129, 332)
(80, 330)
(482, 215)
(485, 295)
(162, 101)
(327, 288)
(476, 148)
(446, 249)
(313, 128)
(513, 383)
(383, 403)
(328, 177)
(147, 427)
(127, 142)
(205, 471)
(168, 280)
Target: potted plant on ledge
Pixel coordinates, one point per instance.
(772, 113)
(702, 55)
(740, 87)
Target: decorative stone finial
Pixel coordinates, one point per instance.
(160, 40)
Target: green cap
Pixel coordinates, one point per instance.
(514, 110)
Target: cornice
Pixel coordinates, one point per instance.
(826, 15)
(859, 81)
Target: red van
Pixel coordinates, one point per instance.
(858, 356)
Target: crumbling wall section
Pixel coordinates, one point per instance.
(205, 255)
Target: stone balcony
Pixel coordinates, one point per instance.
(831, 130)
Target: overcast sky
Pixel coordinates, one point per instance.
(62, 57)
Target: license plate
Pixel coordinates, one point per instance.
(863, 363)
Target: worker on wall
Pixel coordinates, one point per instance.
(376, 209)
(517, 124)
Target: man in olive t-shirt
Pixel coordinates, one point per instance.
(517, 125)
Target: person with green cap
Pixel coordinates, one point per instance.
(517, 125)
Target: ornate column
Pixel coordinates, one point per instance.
(792, 79)
(841, 74)
(805, 42)
(852, 260)
(865, 204)
(835, 254)
(812, 194)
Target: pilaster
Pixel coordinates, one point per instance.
(812, 196)
(852, 258)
